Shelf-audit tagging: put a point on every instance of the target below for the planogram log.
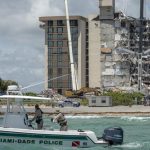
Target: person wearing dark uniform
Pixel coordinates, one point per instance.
(61, 120)
(38, 117)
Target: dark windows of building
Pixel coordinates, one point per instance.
(87, 71)
(103, 101)
(59, 71)
(59, 84)
(50, 51)
(87, 44)
(75, 45)
(87, 31)
(74, 37)
(50, 23)
(74, 30)
(59, 50)
(59, 30)
(59, 43)
(50, 30)
(93, 100)
(87, 64)
(50, 43)
(87, 78)
(50, 72)
(50, 84)
(59, 58)
(73, 22)
(50, 36)
(87, 38)
(87, 58)
(87, 84)
(87, 24)
(69, 81)
(59, 36)
(60, 22)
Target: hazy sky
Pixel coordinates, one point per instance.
(22, 41)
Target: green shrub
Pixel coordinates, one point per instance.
(122, 98)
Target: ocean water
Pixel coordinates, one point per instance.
(136, 131)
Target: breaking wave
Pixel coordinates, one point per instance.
(129, 118)
(83, 116)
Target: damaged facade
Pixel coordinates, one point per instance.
(119, 40)
(105, 48)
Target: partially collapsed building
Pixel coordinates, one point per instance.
(105, 48)
(119, 40)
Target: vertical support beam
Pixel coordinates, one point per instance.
(140, 46)
(73, 71)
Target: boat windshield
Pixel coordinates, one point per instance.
(15, 106)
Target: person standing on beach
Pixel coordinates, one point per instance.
(60, 118)
(38, 117)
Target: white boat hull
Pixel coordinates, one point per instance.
(71, 138)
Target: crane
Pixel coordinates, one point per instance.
(73, 70)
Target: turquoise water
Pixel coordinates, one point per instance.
(136, 131)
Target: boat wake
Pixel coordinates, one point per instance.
(133, 145)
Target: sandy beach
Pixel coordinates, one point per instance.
(85, 110)
(135, 110)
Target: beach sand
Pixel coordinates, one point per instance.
(138, 110)
(135, 110)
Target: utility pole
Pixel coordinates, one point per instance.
(140, 46)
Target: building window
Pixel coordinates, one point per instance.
(73, 22)
(60, 23)
(59, 71)
(93, 101)
(50, 23)
(59, 58)
(74, 30)
(59, 43)
(50, 51)
(59, 50)
(59, 84)
(50, 84)
(50, 72)
(50, 36)
(103, 101)
(59, 36)
(59, 30)
(50, 30)
(50, 44)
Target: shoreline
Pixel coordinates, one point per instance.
(135, 110)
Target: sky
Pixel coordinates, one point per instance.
(22, 41)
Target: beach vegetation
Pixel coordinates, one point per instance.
(124, 98)
(5, 83)
(30, 94)
(84, 102)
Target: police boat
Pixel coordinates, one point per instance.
(17, 129)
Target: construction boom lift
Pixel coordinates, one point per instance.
(74, 92)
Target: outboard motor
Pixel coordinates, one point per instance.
(113, 135)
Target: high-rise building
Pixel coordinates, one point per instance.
(57, 61)
(95, 42)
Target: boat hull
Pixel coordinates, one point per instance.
(48, 138)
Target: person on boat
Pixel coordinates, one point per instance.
(38, 117)
(61, 120)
